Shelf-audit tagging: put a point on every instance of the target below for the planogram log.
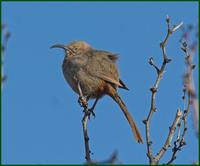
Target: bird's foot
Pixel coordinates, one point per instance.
(88, 112)
(91, 111)
(83, 102)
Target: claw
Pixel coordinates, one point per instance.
(92, 112)
(82, 101)
(88, 112)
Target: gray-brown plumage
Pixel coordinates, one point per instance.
(97, 75)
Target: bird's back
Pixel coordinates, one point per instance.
(102, 65)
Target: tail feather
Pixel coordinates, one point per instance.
(128, 116)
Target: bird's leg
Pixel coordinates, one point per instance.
(82, 100)
(91, 110)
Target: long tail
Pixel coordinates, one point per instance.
(128, 116)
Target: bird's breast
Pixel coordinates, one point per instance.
(70, 74)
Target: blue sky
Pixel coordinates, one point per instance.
(41, 119)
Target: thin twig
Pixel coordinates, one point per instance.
(189, 82)
(184, 108)
(86, 116)
(86, 138)
(179, 143)
(160, 72)
(170, 136)
(6, 36)
(83, 102)
(190, 48)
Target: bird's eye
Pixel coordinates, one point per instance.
(75, 48)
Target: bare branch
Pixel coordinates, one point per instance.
(170, 136)
(177, 27)
(191, 96)
(113, 158)
(151, 62)
(6, 35)
(160, 72)
(180, 141)
(83, 102)
(189, 49)
(86, 138)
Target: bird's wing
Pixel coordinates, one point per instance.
(123, 85)
(102, 65)
(108, 79)
(119, 83)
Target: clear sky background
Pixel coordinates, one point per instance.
(41, 119)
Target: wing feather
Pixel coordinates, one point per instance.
(102, 65)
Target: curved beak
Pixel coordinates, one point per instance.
(58, 46)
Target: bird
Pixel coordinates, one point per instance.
(92, 74)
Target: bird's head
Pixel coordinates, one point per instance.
(74, 48)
